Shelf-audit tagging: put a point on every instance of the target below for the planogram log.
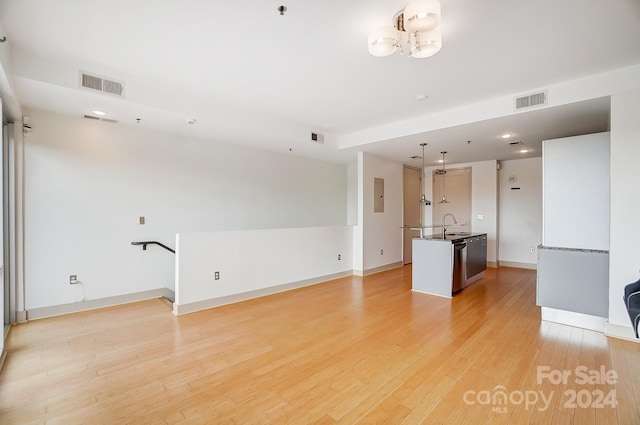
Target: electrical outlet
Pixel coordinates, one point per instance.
(381, 252)
(216, 276)
(339, 257)
(73, 279)
(141, 220)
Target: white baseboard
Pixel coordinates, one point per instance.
(492, 264)
(57, 310)
(21, 316)
(570, 318)
(180, 309)
(517, 265)
(621, 332)
(380, 269)
(429, 293)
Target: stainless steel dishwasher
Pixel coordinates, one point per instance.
(459, 265)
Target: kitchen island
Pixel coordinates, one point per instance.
(445, 265)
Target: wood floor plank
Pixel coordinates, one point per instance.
(356, 350)
(634, 370)
(627, 407)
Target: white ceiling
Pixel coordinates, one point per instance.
(251, 76)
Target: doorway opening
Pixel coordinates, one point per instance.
(457, 188)
(412, 208)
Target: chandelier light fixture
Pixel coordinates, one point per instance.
(415, 30)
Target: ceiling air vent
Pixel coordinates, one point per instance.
(93, 117)
(531, 100)
(317, 137)
(105, 85)
(516, 143)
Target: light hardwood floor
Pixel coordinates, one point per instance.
(349, 351)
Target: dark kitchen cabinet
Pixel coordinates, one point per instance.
(476, 255)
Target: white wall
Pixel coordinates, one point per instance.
(520, 211)
(11, 107)
(255, 260)
(87, 183)
(352, 193)
(624, 252)
(382, 231)
(484, 202)
(2, 265)
(358, 227)
(575, 188)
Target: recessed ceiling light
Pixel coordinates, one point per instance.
(422, 97)
(440, 161)
(99, 113)
(192, 121)
(506, 135)
(523, 150)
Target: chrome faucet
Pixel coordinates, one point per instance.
(444, 229)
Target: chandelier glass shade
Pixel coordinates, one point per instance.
(422, 15)
(415, 30)
(383, 41)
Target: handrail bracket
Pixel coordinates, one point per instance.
(145, 243)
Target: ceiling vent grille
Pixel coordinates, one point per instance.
(516, 143)
(105, 85)
(93, 117)
(531, 100)
(317, 137)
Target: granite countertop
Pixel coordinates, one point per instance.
(451, 237)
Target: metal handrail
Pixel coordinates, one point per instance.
(145, 243)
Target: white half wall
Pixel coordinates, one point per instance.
(256, 262)
(520, 211)
(88, 182)
(624, 251)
